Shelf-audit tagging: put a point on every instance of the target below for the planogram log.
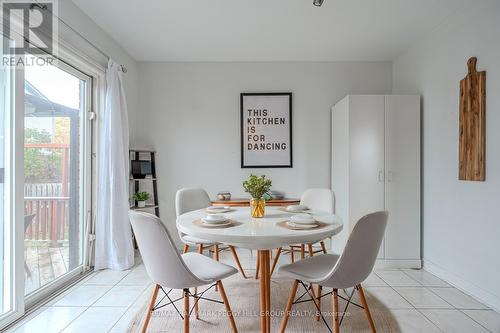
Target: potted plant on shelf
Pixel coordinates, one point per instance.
(257, 187)
(140, 198)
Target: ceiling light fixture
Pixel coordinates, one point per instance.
(318, 3)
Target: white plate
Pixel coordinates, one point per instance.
(297, 208)
(302, 226)
(218, 209)
(303, 219)
(215, 225)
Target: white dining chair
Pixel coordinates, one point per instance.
(169, 270)
(316, 199)
(346, 271)
(190, 199)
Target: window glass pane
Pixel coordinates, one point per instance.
(53, 161)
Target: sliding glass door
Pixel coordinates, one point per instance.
(56, 173)
(45, 180)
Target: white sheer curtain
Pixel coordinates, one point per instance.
(113, 245)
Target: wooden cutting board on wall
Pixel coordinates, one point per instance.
(472, 139)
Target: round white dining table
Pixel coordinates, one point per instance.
(262, 234)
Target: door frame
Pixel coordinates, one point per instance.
(15, 135)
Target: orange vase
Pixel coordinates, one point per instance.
(257, 207)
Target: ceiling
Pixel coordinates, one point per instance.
(269, 30)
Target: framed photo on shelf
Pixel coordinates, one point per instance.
(266, 130)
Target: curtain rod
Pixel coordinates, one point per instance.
(44, 7)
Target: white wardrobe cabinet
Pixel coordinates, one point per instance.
(376, 166)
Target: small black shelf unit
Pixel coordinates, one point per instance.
(143, 154)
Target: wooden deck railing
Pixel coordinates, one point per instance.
(50, 222)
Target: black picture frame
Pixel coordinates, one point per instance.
(242, 129)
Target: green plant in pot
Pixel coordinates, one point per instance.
(257, 187)
(141, 198)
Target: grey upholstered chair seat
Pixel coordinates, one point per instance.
(207, 269)
(311, 269)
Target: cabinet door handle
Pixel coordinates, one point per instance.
(389, 176)
(381, 176)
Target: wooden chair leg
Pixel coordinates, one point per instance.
(200, 248)
(292, 254)
(150, 308)
(216, 252)
(323, 247)
(196, 301)
(237, 260)
(185, 249)
(318, 300)
(335, 303)
(257, 266)
(302, 251)
(185, 312)
(227, 306)
(216, 258)
(365, 306)
(289, 304)
(275, 261)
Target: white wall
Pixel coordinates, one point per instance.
(77, 19)
(190, 115)
(461, 224)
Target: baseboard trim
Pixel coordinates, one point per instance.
(398, 263)
(470, 289)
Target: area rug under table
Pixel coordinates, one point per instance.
(244, 298)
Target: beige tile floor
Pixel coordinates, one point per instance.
(107, 301)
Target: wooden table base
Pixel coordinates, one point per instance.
(265, 291)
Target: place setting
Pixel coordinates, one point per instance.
(214, 221)
(295, 209)
(218, 209)
(301, 221)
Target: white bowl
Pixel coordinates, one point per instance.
(302, 219)
(214, 218)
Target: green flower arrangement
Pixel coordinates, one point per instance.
(257, 186)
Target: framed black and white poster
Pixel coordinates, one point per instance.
(266, 130)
